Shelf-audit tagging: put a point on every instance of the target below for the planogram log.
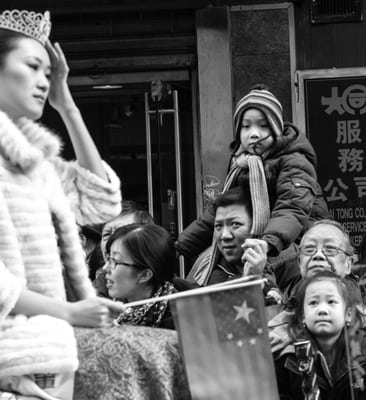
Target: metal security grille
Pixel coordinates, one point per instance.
(323, 11)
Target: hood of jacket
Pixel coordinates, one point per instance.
(293, 140)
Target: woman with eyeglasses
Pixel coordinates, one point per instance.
(140, 264)
(136, 360)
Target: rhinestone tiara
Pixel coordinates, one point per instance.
(30, 23)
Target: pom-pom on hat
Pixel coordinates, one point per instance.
(264, 101)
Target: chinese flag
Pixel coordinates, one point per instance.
(224, 339)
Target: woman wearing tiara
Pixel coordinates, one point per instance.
(41, 198)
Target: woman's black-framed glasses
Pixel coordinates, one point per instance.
(113, 263)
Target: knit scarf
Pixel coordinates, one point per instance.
(257, 187)
(149, 314)
(260, 205)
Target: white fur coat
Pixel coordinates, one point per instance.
(41, 196)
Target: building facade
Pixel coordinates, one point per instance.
(157, 81)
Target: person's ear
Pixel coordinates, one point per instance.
(303, 271)
(145, 275)
(349, 265)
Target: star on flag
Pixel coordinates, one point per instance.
(243, 311)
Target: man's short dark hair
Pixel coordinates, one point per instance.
(141, 215)
(234, 196)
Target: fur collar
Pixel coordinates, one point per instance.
(27, 143)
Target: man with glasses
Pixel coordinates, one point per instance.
(325, 246)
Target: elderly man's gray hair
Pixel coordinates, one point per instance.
(347, 241)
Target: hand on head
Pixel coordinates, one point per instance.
(254, 256)
(59, 95)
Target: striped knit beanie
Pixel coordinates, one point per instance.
(264, 101)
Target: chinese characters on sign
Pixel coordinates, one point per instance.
(336, 123)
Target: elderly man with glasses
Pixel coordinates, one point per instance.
(326, 246)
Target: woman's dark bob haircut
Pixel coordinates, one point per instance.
(150, 246)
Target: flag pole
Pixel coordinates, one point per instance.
(235, 283)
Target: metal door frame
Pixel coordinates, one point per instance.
(178, 167)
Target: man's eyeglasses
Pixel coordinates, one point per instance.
(113, 263)
(328, 251)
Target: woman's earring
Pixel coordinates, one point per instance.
(303, 324)
(348, 324)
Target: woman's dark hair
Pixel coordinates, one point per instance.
(149, 246)
(8, 41)
(96, 261)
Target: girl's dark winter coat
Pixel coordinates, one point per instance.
(333, 384)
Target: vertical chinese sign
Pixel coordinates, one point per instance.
(336, 126)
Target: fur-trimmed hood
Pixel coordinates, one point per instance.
(26, 143)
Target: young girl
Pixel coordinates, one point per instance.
(330, 359)
(276, 163)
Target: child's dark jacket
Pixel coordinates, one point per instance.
(295, 197)
(336, 387)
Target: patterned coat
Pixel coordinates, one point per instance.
(41, 198)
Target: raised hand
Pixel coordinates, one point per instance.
(59, 96)
(254, 256)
